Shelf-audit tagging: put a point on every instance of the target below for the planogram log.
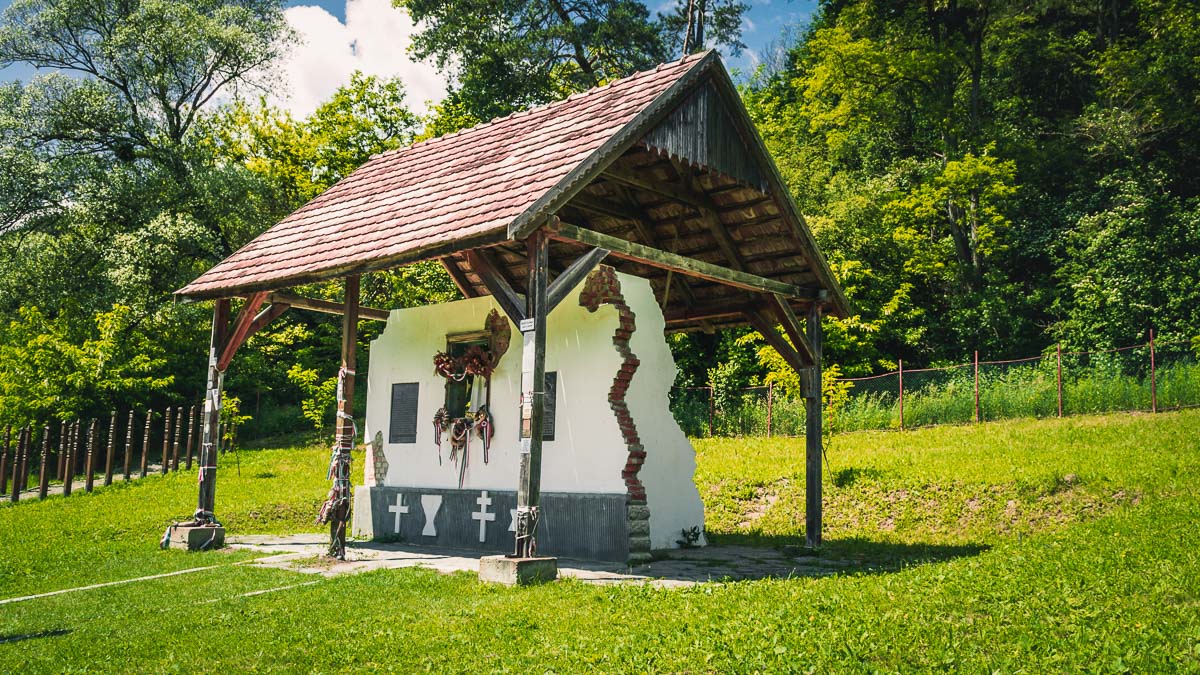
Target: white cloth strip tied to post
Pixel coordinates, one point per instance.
(339, 461)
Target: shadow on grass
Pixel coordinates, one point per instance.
(4, 639)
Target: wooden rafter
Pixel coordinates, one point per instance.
(654, 257)
(484, 266)
(662, 189)
(325, 307)
(460, 280)
(791, 325)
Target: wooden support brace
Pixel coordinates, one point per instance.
(791, 325)
(460, 280)
(653, 257)
(483, 265)
(241, 330)
(765, 327)
(571, 277)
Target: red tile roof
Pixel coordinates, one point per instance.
(467, 186)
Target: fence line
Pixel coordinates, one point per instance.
(1148, 376)
(56, 464)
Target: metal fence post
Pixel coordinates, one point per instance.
(1060, 388)
(978, 415)
(900, 363)
(770, 405)
(1153, 377)
(712, 405)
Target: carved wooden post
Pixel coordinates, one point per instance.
(1059, 381)
(108, 458)
(89, 479)
(978, 412)
(128, 444)
(44, 475)
(175, 442)
(336, 510)
(18, 460)
(63, 434)
(901, 372)
(4, 459)
(1153, 377)
(69, 460)
(812, 434)
(146, 444)
(191, 436)
(166, 449)
(533, 382)
(212, 417)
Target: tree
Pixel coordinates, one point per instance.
(695, 25)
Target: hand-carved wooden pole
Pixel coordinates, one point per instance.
(166, 449)
(175, 441)
(89, 478)
(112, 448)
(64, 433)
(128, 444)
(69, 461)
(44, 475)
(144, 464)
(4, 460)
(533, 379)
(18, 462)
(191, 436)
(209, 443)
(812, 433)
(336, 509)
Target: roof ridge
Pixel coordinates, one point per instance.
(542, 106)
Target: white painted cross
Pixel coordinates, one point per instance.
(482, 515)
(399, 508)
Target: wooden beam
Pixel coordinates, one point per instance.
(209, 439)
(654, 257)
(484, 266)
(533, 384)
(645, 230)
(456, 275)
(659, 188)
(241, 330)
(791, 325)
(266, 316)
(572, 276)
(324, 306)
(336, 510)
(603, 207)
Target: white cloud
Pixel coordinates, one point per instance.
(374, 39)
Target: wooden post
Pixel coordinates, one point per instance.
(191, 435)
(17, 462)
(901, 371)
(978, 415)
(175, 441)
(128, 444)
(812, 434)
(770, 405)
(4, 459)
(533, 379)
(166, 448)
(108, 459)
(1059, 381)
(1153, 377)
(69, 460)
(206, 500)
(90, 469)
(44, 475)
(64, 431)
(146, 444)
(336, 509)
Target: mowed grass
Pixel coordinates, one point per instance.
(1019, 546)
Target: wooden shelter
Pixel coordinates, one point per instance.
(660, 174)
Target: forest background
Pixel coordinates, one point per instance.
(983, 175)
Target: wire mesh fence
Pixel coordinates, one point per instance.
(1145, 377)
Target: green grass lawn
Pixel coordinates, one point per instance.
(1015, 546)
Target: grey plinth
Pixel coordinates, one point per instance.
(197, 537)
(501, 569)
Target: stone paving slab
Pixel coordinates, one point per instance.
(687, 567)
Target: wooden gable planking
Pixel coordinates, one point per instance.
(701, 132)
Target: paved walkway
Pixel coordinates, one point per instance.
(302, 552)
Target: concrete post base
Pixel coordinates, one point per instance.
(196, 538)
(501, 569)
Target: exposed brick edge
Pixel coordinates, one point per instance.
(603, 288)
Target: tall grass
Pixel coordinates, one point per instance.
(932, 397)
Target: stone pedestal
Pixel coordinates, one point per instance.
(197, 538)
(501, 569)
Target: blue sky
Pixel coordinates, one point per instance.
(341, 36)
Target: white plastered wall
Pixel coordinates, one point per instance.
(588, 452)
